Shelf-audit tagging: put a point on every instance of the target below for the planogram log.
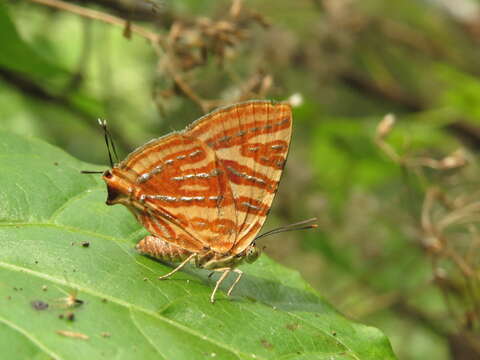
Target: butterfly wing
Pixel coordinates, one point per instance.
(251, 142)
(180, 193)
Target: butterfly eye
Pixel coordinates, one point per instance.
(107, 174)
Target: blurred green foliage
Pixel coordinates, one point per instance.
(384, 254)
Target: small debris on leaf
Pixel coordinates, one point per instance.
(72, 334)
(39, 305)
(71, 299)
(292, 327)
(85, 244)
(266, 344)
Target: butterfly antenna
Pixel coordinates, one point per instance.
(108, 142)
(91, 172)
(110, 147)
(111, 141)
(301, 225)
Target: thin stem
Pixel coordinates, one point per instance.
(100, 16)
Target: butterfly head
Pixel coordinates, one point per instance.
(118, 189)
(252, 252)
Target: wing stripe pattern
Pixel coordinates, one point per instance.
(251, 140)
(211, 186)
(191, 188)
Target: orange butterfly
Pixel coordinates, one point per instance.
(204, 193)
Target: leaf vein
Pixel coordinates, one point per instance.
(326, 333)
(144, 335)
(120, 302)
(71, 200)
(30, 337)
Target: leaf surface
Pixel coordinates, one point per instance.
(49, 211)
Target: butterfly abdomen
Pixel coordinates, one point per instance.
(159, 249)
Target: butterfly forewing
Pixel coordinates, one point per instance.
(251, 141)
(182, 193)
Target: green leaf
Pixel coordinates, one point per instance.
(48, 209)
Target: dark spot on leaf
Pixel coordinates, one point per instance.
(36, 262)
(60, 316)
(85, 244)
(334, 333)
(71, 316)
(9, 297)
(39, 305)
(292, 327)
(73, 301)
(105, 334)
(55, 163)
(44, 287)
(104, 300)
(266, 344)
(78, 302)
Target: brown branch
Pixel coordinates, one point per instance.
(137, 10)
(204, 105)
(100, 16)
(152, 11)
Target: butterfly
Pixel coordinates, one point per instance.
(203, 193)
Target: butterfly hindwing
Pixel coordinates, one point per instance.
(251, 141)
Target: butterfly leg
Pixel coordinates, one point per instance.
(180, 266)
(222, 277)
(240, 273)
